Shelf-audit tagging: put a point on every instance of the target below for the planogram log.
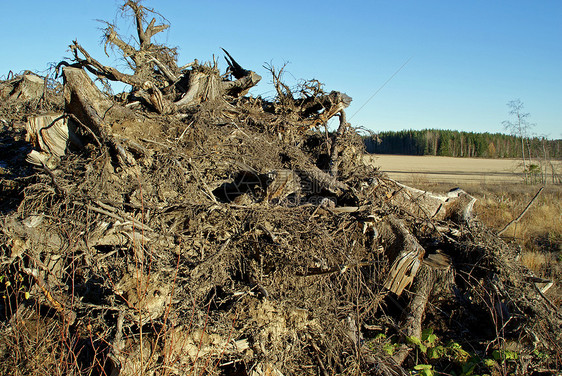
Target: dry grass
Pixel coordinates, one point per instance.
(539, 231)
(501, 198)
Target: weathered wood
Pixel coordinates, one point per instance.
(314, 107)
(51, 135)
(101, 70)
(323, 180)
(412, 322)
(84, 100)
(27, 87)
(241, 86)
(319, 109)
(404, 252)
(203, 86)
(336, 144)
(156, 70)
(456, 205)
(282, 184)
(206, 85)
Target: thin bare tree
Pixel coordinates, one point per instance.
(519, 126)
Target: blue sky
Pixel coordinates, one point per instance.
(467, 58)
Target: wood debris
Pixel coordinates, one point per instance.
(185, 227)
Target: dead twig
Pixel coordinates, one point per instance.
(516, 220)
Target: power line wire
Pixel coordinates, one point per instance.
(380, 88)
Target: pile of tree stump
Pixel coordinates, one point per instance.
(186, 227)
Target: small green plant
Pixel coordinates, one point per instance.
(503, 356)
(424, 370)
(389, 347)
(467, 364)
(432, 354)
(427, 340)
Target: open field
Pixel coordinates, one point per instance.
(411, 169)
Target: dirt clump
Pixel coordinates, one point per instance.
(187, 228)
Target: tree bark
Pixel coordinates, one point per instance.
(412, 323)
(83, 99)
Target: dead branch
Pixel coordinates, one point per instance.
(112, 37)
(234, 67)
(144, 35)
(101, 70)
(164, 69)
(522, 213)
(284, 93)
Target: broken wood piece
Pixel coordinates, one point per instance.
(321, 180)
(204, 84)
(235, 68)
(438, 261)
(345, 209)
(282, 183)
(51, 134)
(322, 108)
(456, 205)
(406, 255)
(546, 283)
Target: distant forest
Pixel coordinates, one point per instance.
(461, 144)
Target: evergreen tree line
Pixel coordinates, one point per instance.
(461, 144)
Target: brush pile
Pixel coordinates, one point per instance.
(184, 227)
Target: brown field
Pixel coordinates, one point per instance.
(457, 171)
